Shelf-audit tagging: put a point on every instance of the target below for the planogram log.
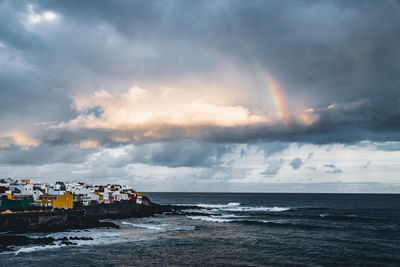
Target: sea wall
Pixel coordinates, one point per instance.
(48, 221)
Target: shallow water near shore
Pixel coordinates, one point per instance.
(238, 230)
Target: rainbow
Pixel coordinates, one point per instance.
(277, 97)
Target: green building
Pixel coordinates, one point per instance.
(7, 203)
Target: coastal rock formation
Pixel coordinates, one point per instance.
(129, 209)
(7, 241)
(124, 209)
(83, 217)
(49, 221)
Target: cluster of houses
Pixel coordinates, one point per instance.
(23, 193)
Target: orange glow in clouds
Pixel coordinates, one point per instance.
(144, 113)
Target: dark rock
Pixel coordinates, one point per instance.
(108, 225)
(43, 241)
(4, 248)
(80, 238)
(18, 240)
(49, 222)
(129, 209)
(68, 243)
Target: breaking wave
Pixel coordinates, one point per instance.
(34, 249)
(147, 226)
(333, 216)
(237, 207)
(228, 216)
(257, 209)
(98, 237)
(160, 227)
(217, 206)
(210, 219)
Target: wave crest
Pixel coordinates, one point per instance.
(258, 209)
(209, 219)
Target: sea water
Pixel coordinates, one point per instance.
(238, 229)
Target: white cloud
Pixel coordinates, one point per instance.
(34, 18)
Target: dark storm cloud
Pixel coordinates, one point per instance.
(186, 153)
(349, 122)
(388, 146)
(174, 154)
(43, 155)
(343, 53)
(343, 48)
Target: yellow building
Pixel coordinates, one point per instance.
(64, 201)
(58, 201)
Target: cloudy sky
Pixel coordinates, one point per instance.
(257, 96)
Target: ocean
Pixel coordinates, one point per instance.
(238, 229)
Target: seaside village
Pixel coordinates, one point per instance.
(24, 193)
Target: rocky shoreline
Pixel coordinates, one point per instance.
(12, 225)
(7, 242)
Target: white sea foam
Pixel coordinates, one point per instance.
(228, 216)
(209, 219)
(182, 228)
(218, 206)
(236, 207)
(147, 226)
(250, 209)
(102, 236)
(233, 219)
(161, 227)
(99, 237)
(35, 248)
(96, 234)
